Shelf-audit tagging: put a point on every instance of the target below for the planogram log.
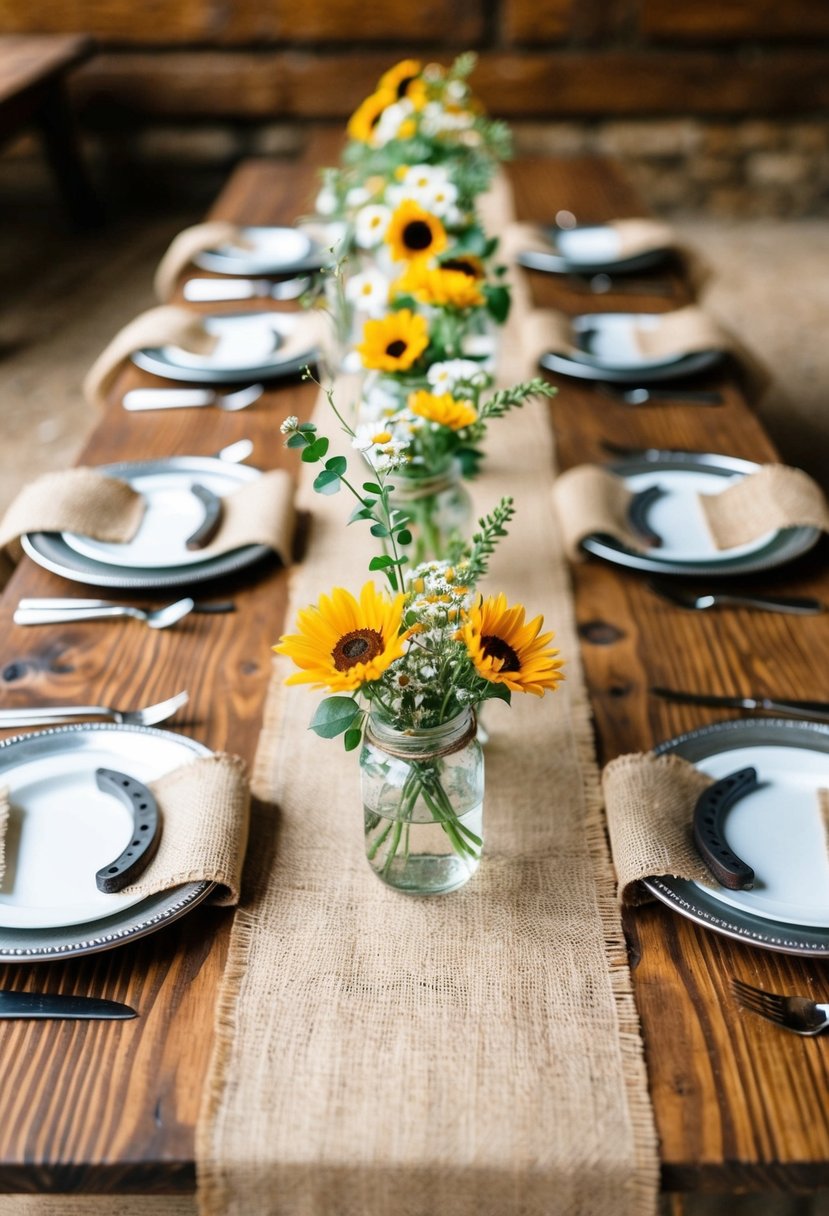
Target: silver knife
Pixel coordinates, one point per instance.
(213, 290)
(61, 1006)
(818, 711)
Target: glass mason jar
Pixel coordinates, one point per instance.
(438, 508)
(423, 795)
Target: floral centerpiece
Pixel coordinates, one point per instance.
(407, 670)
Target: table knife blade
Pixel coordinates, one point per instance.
(816, 710)
(62, 1007)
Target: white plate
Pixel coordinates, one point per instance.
(172, 512)
(608, 340)
(248, 348)
(265, 251)
(62, 828)
(588, 249)
(687, 547)
(778, 830)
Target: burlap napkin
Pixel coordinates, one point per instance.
(205, 809)
(775, 497)
(88, 503)
(193, 241)
(591, 500)
(635, 236)
(162, 326)
(649, 802)
(79, 500)
(684, 331)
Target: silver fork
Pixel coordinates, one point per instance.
(58, 611)
(796, 1013)
(40, 715)
(183, 398)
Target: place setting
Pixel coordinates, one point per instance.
(726, 825)
(681, 513)
(111, 829)
(153, 524)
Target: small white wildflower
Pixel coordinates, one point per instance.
(289, 425)
(357, 196)
(390, 121)
(368, 292)
(444, 376)
(326, 201)
(370, 224)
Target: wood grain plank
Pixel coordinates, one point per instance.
(555, 84)
(245, 21)
(712, 21)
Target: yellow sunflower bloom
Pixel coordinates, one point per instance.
(414, 232)
(443, 409)
(466, 263)
(439, 287)
(344, 643)
(403, 80)
(505, 650)
(394, 342)
(362, 122)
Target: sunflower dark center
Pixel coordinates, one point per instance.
(460, 264)
(396, 348)
(359, 646)
(417, 235)
(403, 86)
(375, 118)
(496, 648)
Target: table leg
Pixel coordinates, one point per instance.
(57, 128)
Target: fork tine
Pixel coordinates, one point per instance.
(156, 713)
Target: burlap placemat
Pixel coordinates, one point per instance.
(166, 325)
(590, 500)
(477, 1053)
(775, 497)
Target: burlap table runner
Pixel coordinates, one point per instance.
(205, 813)
(477, 1053)
(590, 500)
(195, 240)
(89, 503)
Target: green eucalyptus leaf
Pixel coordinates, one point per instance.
(337, 464)
(371, 487)
(497, 302)
(307, 426)
(352, 739)
(404, 537)
(379, 530)
(296, 441)
(381, 563)
(334, 715)
(327, 482)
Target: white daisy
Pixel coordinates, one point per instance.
(391, 120)
(368, 291)
(325, 202)
(443, 377)
(370, 224)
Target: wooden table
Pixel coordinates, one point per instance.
(33, 71)
(112, 1107)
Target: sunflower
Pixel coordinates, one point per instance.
(505, 650)
(443, 409)
(394, 342)
(466, 263)
(362, 122)
(440, 287)
(403, 80)
(344, 643)
(414, 232)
